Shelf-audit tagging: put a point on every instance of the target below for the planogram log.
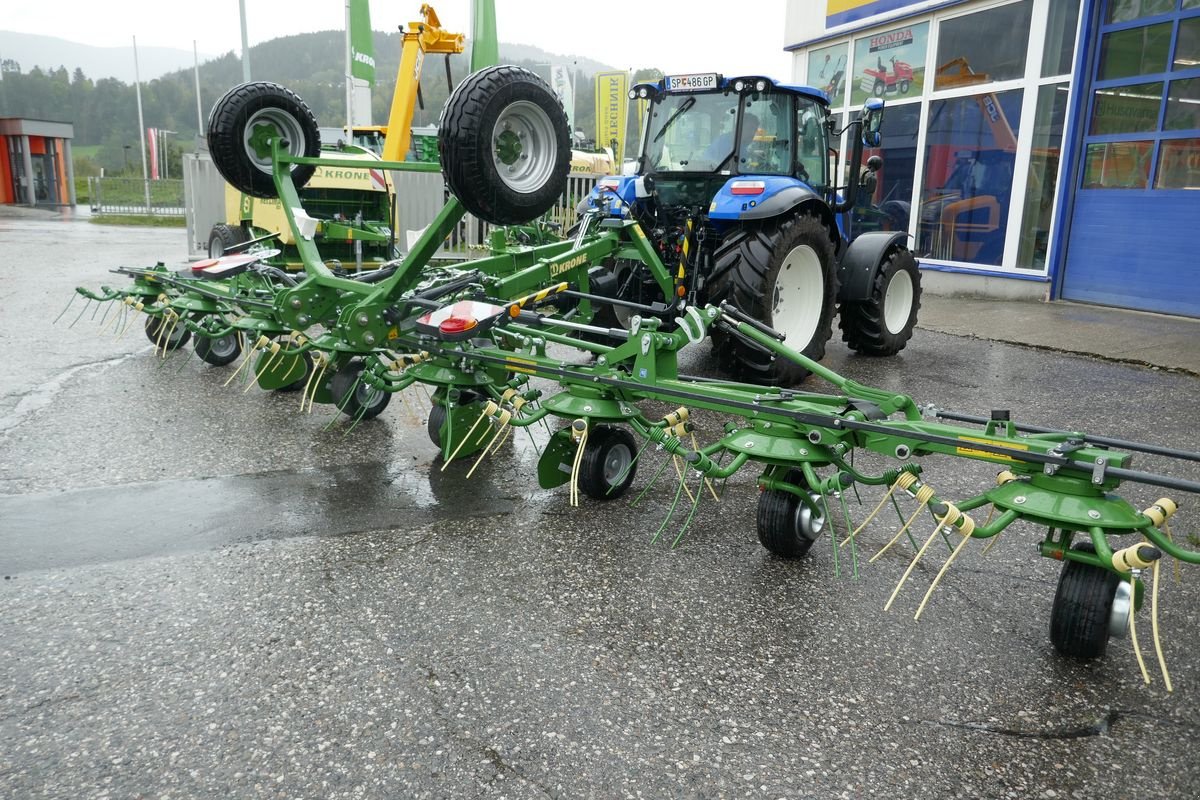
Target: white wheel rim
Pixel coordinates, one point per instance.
(224, 346)
(897, 302)
(285, 125)
(616, 461)
(809, 524)
(798, 297)
(215, 248)
(524, 147)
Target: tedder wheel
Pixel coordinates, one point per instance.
(223, 237)
(437, 416)
(178, 335)
(883, 324)
(786, 525)
(241, 126)
(607, 467)
(355, 398)
(1091, 604)
(298, 384)
(218, 350)
(781, 273)
(504, 145)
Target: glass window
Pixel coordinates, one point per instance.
(1060, 38)
(970, 154)
(1126, 109)
(1048, 123)
(1125, 10)
(1137, 51)
(1117, 165)
(890, 207)
(1187, 46)
(1183, 105)
(768, 149)
(1190, 4)
(986, 46)
(890, 64)
(1178, 164)
(827, 71)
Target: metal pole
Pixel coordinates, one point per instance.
(162, 134)
(196, 69)
(349, 81)
(137, 79)
(245, 44)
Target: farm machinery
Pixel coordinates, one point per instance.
(511, 341)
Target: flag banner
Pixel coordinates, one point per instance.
(362, 47)
(152, 146)
(612, 109)
(560, 82)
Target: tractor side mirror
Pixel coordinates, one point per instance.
(872, 120)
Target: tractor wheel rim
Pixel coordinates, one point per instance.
(216, 249)
(524, 147)
(616, 461)
(798, 297)
(264, 125)
(897, 302)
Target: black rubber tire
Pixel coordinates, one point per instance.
(747, 265)
(179, 336)
(879, 88)
(785, 526)
(903, 87)
(609, 452)
(468, 152)
(354, 398)
(219, 350)
(257, 104)
(1082, 607)
(437, 417)
(223, 236)
(864, 325)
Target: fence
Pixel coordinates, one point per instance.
(128, 196)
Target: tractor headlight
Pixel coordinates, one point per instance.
(739, 86)
(761, 86)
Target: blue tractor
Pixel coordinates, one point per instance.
(735, 187)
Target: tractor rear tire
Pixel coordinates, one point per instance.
(607, 467)
(783, 274)
(1082, 610)
(882, 324)
(786, 525)
(504, 145)
(240, 124)
(223, 237)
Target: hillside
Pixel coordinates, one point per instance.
(50, 52)
(104, 110)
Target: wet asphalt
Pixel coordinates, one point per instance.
(205, 593)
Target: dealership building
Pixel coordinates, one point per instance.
(1031, 148)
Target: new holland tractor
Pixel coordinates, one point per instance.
(736, 190)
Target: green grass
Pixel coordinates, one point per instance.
(150, 221)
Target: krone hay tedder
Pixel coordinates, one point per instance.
(475, 335)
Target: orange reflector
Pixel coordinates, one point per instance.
(456, 325)
(514, 311)
(747, 187)
(681, 291)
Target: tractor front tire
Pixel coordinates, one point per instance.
(882, 324)
(177, 334)
(504, 145)
(783, 274)
(223, 237)
(240, 128)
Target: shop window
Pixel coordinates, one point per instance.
(1126, 109)
(1126, 10)
(890, 64)
(890, 206)
(1183, 105)
(1059, 51)
(1137, 51)
(985, 46)
(1117, 165)
(1187, 45)
(970, 155)
(1178, 164)
(827, 71)
(1048, 123)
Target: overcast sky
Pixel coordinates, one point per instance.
(674, 35)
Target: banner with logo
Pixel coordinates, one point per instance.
(890, 64)
(612, 112)
(560, 82)
(152, 147)
(362, 46)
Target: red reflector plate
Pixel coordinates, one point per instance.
(747, 187)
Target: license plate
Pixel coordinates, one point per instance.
(692, 83)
